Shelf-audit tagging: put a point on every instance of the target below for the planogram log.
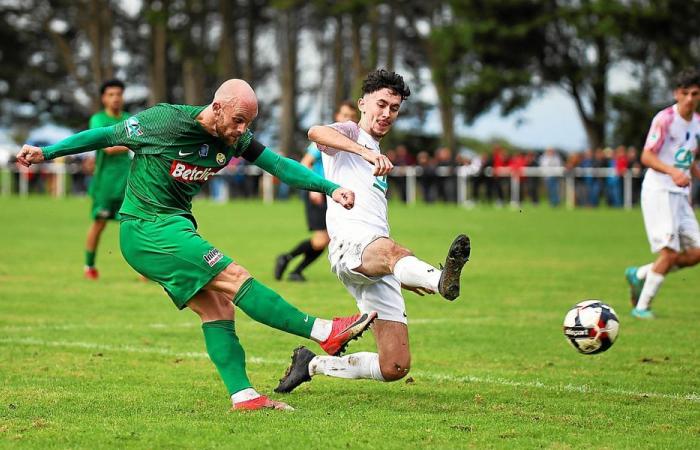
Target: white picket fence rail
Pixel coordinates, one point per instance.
(462, 174)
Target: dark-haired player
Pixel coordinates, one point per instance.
(371, 265)
(111, 170)
(177, 149)
(315, 208)
(670, 154)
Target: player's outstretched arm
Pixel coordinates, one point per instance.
(298, 176)
(329, 137)
(78, 143)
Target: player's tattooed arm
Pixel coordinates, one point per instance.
(329, 137)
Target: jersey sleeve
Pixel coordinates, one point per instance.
(79, 143)
(293, 173)
(249, 148)
(658, 131)
(349, 129)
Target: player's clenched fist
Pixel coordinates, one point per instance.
(344, 197)
(30, 155)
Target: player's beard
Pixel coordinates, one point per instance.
(228, 139)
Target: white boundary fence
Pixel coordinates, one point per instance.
(463, 175)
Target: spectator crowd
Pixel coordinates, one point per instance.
(597, 173)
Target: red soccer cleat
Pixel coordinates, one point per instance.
(91, 273)
(344, 330)
(262, 402)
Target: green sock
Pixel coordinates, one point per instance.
(226, 353)
(266, 306)
(89, 258)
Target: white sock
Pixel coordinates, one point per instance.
(642, 271)
(651, 287)
(411, 271)
(321, 329)
(362, 365)
(244, 395)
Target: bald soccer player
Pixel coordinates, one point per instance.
(177, 149)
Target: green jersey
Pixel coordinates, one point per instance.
(174, 156)
(111, 171)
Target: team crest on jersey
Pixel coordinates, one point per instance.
(203, 151)
(220, 159)
(133, 127)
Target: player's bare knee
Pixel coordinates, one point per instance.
(396, 253)
(393, 371)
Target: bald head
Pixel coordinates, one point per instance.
(237, 92)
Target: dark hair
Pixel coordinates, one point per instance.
(381, 78)
(111, 83)
(687, 78)
(348, 103)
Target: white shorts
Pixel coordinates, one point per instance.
(381, 294)
(669, 220)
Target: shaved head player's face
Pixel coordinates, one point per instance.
(379, 111)
(235, 106)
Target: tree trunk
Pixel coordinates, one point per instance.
(373, 56)
(227, 58)
(192, 49)
(339, 93)
(391, 36)
(443, 86)
(158, 62)
(251, 19)
(358, 69)
(288, 44)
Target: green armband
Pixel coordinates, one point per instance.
(293, 173)
(82, 142)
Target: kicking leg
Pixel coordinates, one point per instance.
(264, 305)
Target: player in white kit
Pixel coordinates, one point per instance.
(670, 154)
(371, 265)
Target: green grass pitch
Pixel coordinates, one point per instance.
(113, 364)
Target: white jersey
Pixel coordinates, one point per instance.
(369, 215)
(675, 141)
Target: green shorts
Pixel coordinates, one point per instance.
(106, 208)
(170, 252)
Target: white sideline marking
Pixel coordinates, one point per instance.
(693, 397)
(194, 324)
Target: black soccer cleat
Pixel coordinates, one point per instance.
(297, 372)
(281, 265)
(297, 277)
(457, 257)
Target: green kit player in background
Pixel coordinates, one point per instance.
(111, 170)
(177, 148)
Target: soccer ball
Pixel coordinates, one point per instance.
(591, 327)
